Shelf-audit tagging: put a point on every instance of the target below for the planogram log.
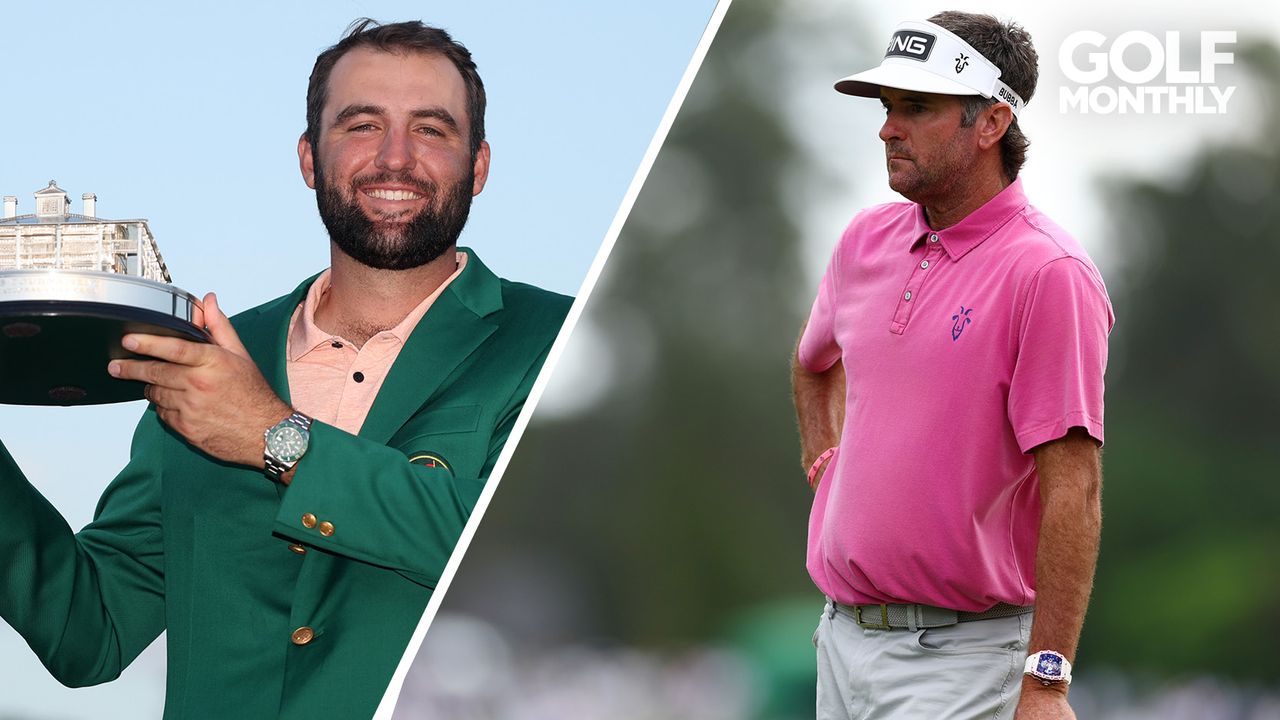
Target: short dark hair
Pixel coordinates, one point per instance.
(1008, 46)
(403, 37)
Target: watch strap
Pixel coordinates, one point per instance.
(275, 468)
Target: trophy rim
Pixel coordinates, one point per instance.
(102, 276)
(59, 328)
(53, 285)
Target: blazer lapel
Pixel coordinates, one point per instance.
(452, 329)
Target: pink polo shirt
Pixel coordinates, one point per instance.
(332, 380)
(963, 350)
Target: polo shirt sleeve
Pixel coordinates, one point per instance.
(818, 350)
(1057, 381)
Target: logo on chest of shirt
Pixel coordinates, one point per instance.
(959, 322)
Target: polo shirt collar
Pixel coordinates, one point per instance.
(305, 336)
(977, 226)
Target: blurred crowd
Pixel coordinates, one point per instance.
(468, 671)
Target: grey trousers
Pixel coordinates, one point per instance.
(966, 671)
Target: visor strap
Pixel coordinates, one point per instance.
(999, 90)
(1005, 94)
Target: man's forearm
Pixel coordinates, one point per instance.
(1070, 476)
(819, 399)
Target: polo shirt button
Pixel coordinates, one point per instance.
(933, 238)
(358, 376)
(326, 528)
(297, 548)
(308, 521)
(303, 635)
(907, 295)
(337, 344)
(924, 264)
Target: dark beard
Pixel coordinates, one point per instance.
(404, 245)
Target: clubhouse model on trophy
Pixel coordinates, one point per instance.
(71, 286)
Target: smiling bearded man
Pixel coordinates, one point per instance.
(394, 243)
(375, 398)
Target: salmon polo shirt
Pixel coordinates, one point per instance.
(332, 380)
(963, 349)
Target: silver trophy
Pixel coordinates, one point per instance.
(71, 286)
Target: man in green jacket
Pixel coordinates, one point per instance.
(375, 398)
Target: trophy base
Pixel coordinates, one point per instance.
(55, 352)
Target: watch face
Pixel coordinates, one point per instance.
(1049, 665)
(287, 443)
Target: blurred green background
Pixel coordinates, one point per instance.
(653, 520)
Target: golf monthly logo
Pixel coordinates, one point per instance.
(1120, 75)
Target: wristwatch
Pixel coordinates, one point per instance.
(286, 443)
(1049, 667)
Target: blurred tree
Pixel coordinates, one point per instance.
(678, 502)
(673, 511)
(1188, 581)
(690, 463)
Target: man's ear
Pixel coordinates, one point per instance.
(480, 170)
(306, 161)
(993, 123)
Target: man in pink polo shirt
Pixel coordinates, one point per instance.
(953, 362)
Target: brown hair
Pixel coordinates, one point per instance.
(1008, 46)
(404, 37)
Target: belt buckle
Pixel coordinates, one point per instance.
(884, 617)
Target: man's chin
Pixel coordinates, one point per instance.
(398, 217)
(394, 230)
(904, 186)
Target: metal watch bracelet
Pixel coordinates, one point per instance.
(273, 467)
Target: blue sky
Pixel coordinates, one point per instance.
(189, 114)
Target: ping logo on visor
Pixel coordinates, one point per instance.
(911, 44)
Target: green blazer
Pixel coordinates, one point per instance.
(222, 558)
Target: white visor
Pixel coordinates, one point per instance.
(927, 58)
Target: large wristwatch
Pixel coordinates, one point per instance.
(286, 443)
(1049, 667)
